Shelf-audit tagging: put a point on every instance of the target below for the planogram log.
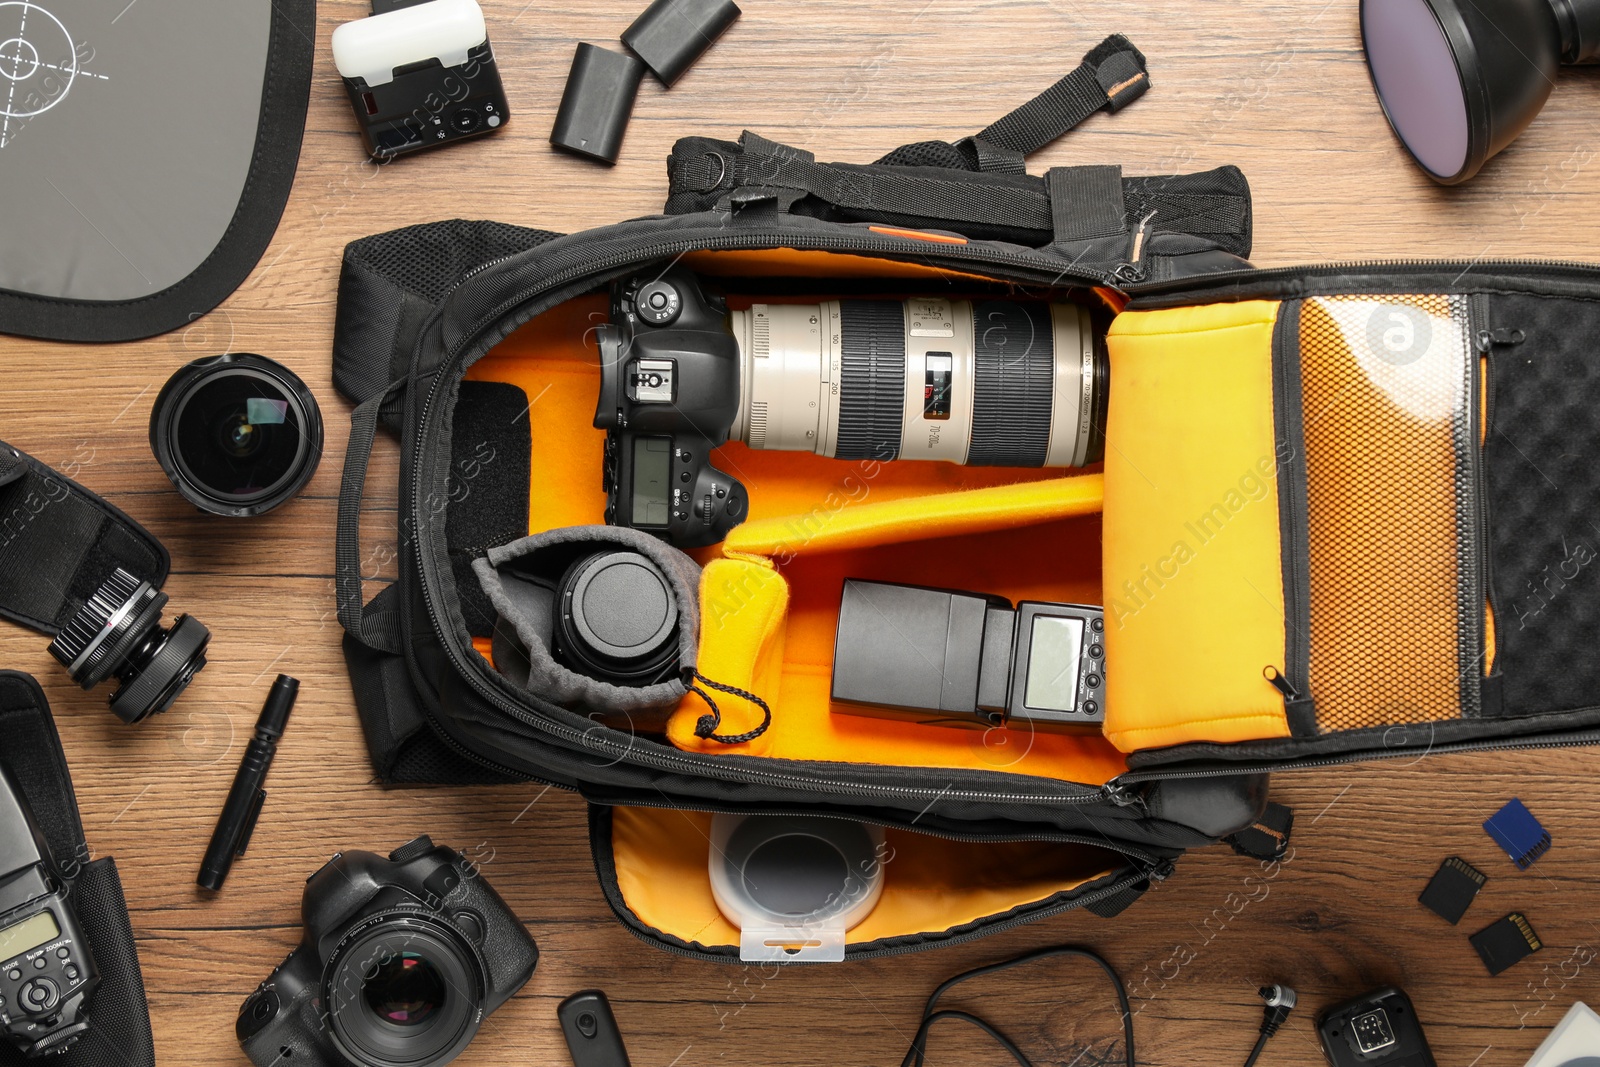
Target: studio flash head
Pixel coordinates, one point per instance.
(237, 434)
(118, 633)
(1460, 79)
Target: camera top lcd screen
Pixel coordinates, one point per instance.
(652, 477)
(30, 933)
(1053, 653)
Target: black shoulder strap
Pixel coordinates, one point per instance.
(1111, 76)
(59, 541)
(119, 1031)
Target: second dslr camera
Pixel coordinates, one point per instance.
(402, 959)
(1000, 383)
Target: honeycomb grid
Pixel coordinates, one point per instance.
(1389, 492)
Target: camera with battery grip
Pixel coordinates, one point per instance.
(1007, 383)
(402, 959)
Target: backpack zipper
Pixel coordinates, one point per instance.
(1580, 738)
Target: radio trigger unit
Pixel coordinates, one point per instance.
(420, 73)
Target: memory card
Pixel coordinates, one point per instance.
(1450, 891)
(1503, 943)
(1515, 829)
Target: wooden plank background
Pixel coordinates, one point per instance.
(1274, 86)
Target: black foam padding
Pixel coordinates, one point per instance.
(1014, 373)
(491, 450)
(1502, 943)
(872, 379)
(1450, 891)
(1543, 491)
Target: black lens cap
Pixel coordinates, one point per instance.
(617, 618)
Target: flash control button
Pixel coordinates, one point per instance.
(40, 994)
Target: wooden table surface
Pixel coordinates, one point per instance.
(1278, 88)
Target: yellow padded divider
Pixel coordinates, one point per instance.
(923, 518)
(1192, 552)
(744, 606)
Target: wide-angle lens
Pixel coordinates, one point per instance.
(237, 434)
(988, 383)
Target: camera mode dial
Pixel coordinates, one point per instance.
(658, 303)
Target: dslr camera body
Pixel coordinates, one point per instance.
(402, 958)
(669, 394)
(47, 971)
(986, 382)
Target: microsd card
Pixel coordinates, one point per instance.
(1450, 891)
(1505, 942)
(1515, 829)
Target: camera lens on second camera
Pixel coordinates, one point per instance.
(237, 434)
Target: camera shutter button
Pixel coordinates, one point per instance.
(412, 849)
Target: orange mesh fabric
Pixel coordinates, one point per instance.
(1395, 606)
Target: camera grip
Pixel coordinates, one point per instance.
(293, 1032)
(508, 950)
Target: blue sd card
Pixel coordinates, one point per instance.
(1515, 829)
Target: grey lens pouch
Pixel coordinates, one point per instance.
(520, 580)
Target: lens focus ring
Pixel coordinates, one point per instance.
(1013, 382)
(89, 643)
(872, 379)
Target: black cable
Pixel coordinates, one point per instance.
(918, 1051)
(1255, 1053)
(1278, 1001)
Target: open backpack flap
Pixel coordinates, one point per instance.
(472, 341)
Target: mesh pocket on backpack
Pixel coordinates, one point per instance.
(1396, 604)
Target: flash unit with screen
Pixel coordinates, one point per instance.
(942, 655)
(46, 969)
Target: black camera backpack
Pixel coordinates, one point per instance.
(421, 307)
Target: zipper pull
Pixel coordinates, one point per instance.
(1124, 795)
(1162, 871)
(1281, 684)
(1488, 339)
(1133, 270)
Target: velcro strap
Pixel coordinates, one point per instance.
(1111, 76)
(1086, 203)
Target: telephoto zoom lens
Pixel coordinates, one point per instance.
(996, 383)
(237, 434)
